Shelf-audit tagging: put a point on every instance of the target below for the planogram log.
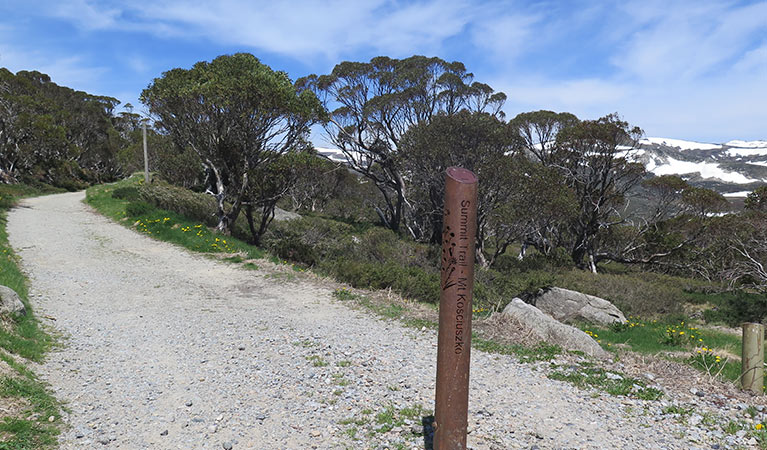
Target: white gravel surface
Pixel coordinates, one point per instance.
(164, 349)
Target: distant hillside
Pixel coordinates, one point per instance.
(733, 169)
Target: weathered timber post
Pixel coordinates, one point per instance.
(457, 282)
(146, 156)
(752, 369)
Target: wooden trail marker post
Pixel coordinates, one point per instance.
(752, 368)
(455, 307)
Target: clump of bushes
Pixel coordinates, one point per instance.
(138, 209)
(126, 193)
(737, 307)
(200, 207)
(635, 293)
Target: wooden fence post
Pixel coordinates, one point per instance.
(752, 372)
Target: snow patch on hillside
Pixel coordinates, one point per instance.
(747, 144)
(680, 144)
(737, 194)
(747, 151)
(706, 170)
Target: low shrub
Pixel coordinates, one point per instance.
(738, 307)
(126, 193)
(201, 207)
(410, 282)
(639, 294)
(308, 240)
(138, 209)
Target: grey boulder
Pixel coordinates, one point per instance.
(571, 306)
(548, 329)
(10, 303)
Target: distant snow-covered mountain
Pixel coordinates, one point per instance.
(734, 168)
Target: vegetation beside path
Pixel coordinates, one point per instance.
(30, 416)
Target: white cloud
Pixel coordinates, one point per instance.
(85, 13)
(688, 39)
(300, 29)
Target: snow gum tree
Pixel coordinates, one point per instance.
(371, 106)
(236, 114)
(476, 141)
(592, 157)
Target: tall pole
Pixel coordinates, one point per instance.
(455, 308)
(146, 157)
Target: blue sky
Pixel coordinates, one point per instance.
(681, 69)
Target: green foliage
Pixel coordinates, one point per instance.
(410, 282)
(237, 114)
(196, 206)
(130, 193)
(637, 292)
(543, 352)
(138, 209)
(475, 141)
(615, 384)
(164, 224)
(377, 102)
(734, 308)
(757, 200)
(56, 135)
(702, 201)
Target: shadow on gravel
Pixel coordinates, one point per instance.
(428, 432)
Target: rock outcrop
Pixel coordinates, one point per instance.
(10, 302)
(552, 331)
(571, 306)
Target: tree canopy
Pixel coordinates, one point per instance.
(55, 134)
(235, 113)
(372, 105)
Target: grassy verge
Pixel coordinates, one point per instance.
(33, 413)
(713, 352)
(125, 208)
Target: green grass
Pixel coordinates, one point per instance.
(705, 347)
(585, 376)
(25, 338)
(542, 352)
(166, 225)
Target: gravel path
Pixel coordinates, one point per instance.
(164, 349)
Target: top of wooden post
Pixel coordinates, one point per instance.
(461, 175)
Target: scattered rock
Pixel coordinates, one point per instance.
(550, 330)
(571, 306)
(10, 302)
(282, 215)
(164, 433)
